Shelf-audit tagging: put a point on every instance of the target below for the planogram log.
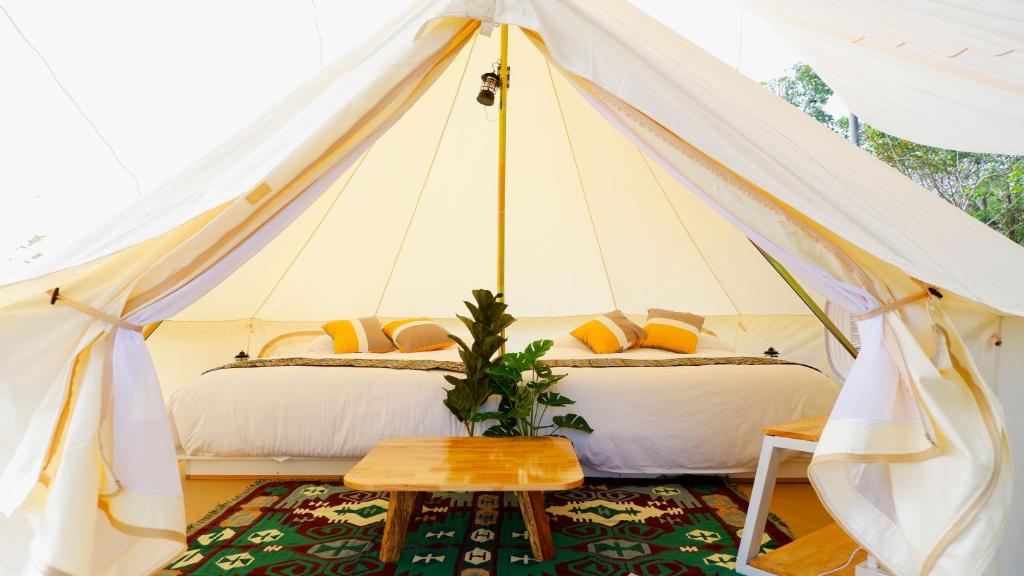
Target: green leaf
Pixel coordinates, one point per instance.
(554, 399)
(468, 322)
(534, 350)
(500, 431)
(517, 361)
(504, 371)
(503, 322)
(572, 422)
(538, 386)
(484, 416)
(555, 378)
(520, 411)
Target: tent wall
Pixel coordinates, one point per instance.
(1009, 386)
(593, 223)
(1002, 366)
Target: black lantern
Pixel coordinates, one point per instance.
(771, 352)
(241, 356)
(490, 82)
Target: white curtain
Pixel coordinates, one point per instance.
(99, 435)
(839, 358)
(878, 449)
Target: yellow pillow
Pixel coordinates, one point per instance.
(672, 331)
(609, 333)
(417, 335)
(358, 335)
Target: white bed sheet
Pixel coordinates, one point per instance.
(651, 420)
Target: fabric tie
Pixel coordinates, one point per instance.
(98, 314)
(893, 305)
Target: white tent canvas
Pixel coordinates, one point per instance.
(948, 74)
(594, 224)
(640, 171)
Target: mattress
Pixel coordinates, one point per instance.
(646, 420)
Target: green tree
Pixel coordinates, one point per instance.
(807, 91)
(989, 187)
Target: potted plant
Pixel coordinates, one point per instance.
(487, 322)
(524, 382)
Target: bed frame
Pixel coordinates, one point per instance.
(199, 467)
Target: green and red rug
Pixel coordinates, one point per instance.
(686, 526)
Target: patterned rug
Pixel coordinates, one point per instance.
(682, 526)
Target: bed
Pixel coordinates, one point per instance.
(704, 416)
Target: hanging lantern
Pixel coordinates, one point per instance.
(490, 82)
(241, 356)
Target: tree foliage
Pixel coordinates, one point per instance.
(805, 90)
(989, 187)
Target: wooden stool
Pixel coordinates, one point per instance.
(820, 551)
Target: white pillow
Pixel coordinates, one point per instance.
(301, 345)
(708, 342)
(323, 344)
(567, 340)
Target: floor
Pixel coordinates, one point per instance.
(794, 502)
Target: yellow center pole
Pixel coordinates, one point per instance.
(502, 110)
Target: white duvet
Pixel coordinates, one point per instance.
(652, 420)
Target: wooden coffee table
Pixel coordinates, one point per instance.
(411, 467)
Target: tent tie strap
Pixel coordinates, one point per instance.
(55, 295)
(897, 304)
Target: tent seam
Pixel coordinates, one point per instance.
(426, 178)
(740, 134)
(583, 189)
(309, 238)
(686, 230)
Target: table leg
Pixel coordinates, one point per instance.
(536, 519)
(760, 500)
(401, 507)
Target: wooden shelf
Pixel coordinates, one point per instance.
(820, 551)
(807, 429)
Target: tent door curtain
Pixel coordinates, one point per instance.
(864, 425)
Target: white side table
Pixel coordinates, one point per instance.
(810, 555)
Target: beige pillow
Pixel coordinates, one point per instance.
(417, 335)
(691, 319)
(673, 331)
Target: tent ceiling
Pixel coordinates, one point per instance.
(592, 223)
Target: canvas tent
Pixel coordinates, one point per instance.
(359, 180)
(939, 73)
(585, 234)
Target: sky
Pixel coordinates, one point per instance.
(131, 93)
